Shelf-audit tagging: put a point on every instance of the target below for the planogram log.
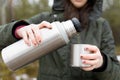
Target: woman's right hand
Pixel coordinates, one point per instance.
(30, 33)
(94, 59)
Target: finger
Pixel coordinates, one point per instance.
(90, 62)
(45, 24)
(91, 48)
(31, 36)
(89, 56)
(88, 68)
(25, 38)
(37, 34)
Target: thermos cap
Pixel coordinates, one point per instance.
(77, 24)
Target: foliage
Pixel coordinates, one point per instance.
(113, 15)
(25, 9)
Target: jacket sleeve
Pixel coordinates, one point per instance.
(7, 36)
(7, 33)
(112, 70)
(44, 16)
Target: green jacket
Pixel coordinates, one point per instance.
(7, 33)
(56, 66)
(6, 36)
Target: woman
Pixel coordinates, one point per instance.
(96, 32)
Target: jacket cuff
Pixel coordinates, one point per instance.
(16, 25)
(104, 65)
(15, 32)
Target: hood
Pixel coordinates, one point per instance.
(97, 11)
(58, 6)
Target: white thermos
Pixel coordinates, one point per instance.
(19, 54)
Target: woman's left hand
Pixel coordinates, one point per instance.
(31, 33)
(94, 59)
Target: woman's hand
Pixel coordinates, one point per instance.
(31, 34)
(94, 59)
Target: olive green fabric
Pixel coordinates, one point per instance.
(6, 36)
(56, 65)
(7, 33)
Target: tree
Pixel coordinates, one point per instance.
(3, 4)
(113, 16)
(10, 10)
(29, 9)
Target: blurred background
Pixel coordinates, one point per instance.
(21, 9)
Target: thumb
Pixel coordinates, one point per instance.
(91, 48)
(45, 24)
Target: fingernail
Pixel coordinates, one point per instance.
(86, 49)
(83, 61)
(91, 51)
(39, 41)
(81, 57)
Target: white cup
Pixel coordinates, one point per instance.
(76, 50)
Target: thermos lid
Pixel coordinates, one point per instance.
(77, 24)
